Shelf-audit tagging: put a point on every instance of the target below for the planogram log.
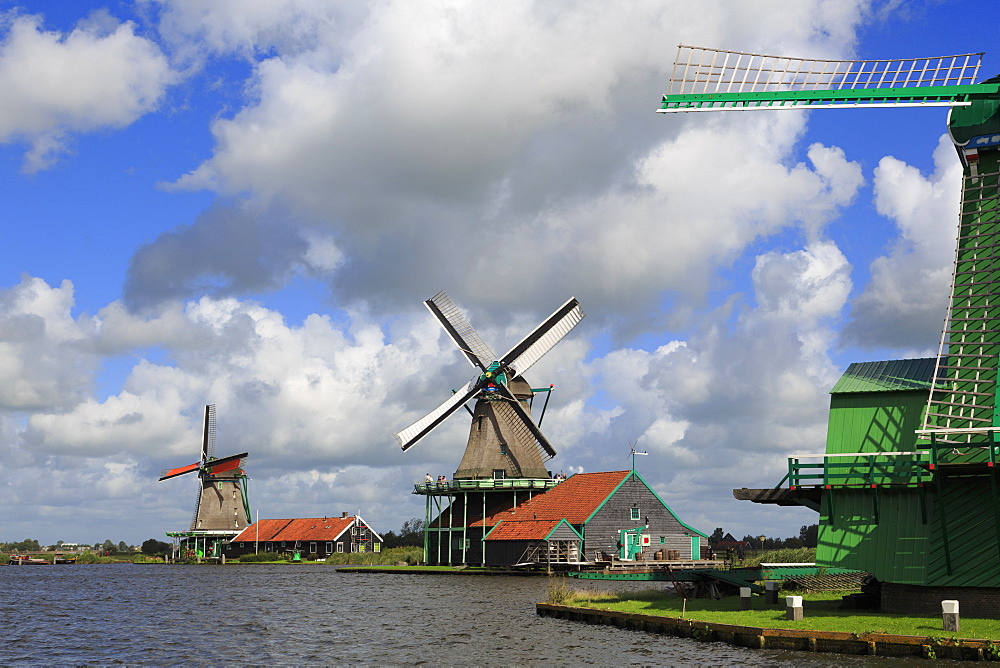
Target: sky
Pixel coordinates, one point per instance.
(245, 203)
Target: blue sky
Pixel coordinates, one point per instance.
(245, 203)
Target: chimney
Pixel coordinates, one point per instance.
(344, 515)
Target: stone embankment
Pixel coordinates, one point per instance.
(873, 644)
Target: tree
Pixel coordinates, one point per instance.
(153, 546)
(122, 547)
(716, 536)
(411, 534)
(809, 535)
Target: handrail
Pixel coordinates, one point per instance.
(484, 484)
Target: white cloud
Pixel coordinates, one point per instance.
(55, 85)
(904, 303)
(508, 154)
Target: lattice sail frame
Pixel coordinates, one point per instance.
(712, 79)
(963, 406)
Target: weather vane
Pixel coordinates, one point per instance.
(633, 452)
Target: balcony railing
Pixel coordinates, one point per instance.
(877, 469)
(450, 486)
(859, 469)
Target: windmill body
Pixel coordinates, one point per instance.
(504, 459)
(222, 509)
(907, 489)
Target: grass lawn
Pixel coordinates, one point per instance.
(821, 611)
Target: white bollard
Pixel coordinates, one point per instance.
(949, 616)
(793, 608)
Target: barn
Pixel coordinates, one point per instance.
(590, 517)
(314, 538)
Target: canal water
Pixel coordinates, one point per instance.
(310, 614)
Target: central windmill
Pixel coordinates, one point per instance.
(504, 441)
(222, 509)
(908, 489)
(506, 451)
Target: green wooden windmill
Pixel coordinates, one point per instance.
(907, 488)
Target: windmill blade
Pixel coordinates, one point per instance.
(460, 331)
(543, 338)
(208, 436)
(520, 420)
(217, 466)
(173, 473)
(424, 425)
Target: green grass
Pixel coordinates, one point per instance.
(822, 613)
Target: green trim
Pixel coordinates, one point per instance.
(563, 521)
(806, 98)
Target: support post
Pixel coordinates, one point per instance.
(771, 592)
(745, 598)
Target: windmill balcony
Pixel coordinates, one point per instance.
(880, 469)
(451, 486)
(859, 470)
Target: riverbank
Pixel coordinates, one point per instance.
(436, 570)
(808, 640)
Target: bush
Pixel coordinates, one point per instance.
(784, 556)
(558, 592)
(262, 556)
(91, 558)
(411, 555)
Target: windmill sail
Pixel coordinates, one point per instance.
(712, 79)
(424, 425)
(461, 332)
(532, 347)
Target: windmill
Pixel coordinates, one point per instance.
(504, 459)
(937, 483)
(222, 509)
(504, 441)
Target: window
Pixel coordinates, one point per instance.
(663, 540)
(498, 474)
(340, 546)
(329, 548)
(282, 544)
(377, 547)
(312, 548)
(636, 514)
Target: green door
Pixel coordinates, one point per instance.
(696, 547)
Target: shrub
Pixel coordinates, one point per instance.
(261, 556)
(558, 592)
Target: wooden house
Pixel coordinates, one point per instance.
(313, 538)
(590, 517)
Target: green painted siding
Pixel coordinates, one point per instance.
(969, 510)
(893, 549)
(899, 547)
(875, 421)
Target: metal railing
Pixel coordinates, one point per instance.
(485, 484)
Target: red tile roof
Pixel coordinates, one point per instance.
(574, 500)
(318, 528)
(523, 529)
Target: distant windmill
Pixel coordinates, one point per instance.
(222, 501)
(504, 440)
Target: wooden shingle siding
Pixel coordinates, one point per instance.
(601, 533)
